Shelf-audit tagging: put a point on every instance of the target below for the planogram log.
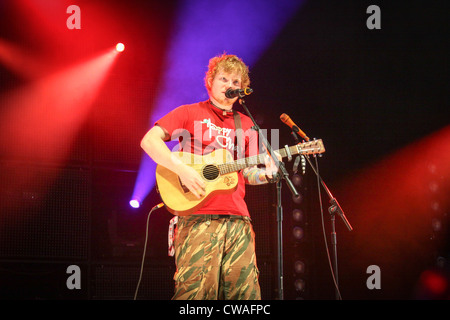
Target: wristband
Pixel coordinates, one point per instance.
(273, 179)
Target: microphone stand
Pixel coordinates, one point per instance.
(333, 209)
(282, 172)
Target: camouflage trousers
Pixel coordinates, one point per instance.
(215, 259)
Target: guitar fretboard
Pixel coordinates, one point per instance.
(305, 148)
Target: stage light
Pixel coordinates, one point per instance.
(434, 284)
(297, 198)
(297, 180)
(135, 203)
(436, 224)
(298, 233)
(120, 47)
(300, 285)
(298, 215)
(299, 266)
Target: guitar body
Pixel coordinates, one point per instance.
(178, 199)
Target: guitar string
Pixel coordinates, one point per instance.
(236, 164)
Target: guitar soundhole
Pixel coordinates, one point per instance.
(210, 172)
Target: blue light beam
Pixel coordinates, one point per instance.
(203, 29)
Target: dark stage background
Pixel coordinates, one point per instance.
(377, 98)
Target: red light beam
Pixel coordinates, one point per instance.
(45, 115)
(392, 206)
(15, 59)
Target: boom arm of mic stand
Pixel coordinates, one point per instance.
(334, 205)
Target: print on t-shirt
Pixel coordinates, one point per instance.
(221, 135)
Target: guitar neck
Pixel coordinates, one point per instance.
(313, 147)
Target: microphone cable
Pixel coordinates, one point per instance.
(145, 248)
(316, 170)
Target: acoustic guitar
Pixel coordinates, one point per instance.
(219, 171)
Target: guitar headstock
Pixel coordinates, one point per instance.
(311, 147)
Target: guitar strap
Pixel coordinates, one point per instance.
(238, 134)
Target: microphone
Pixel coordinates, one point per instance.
(238, 93)
(287, 120)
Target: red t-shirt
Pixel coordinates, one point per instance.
(200, 128)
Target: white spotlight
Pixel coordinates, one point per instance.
(120, 47)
